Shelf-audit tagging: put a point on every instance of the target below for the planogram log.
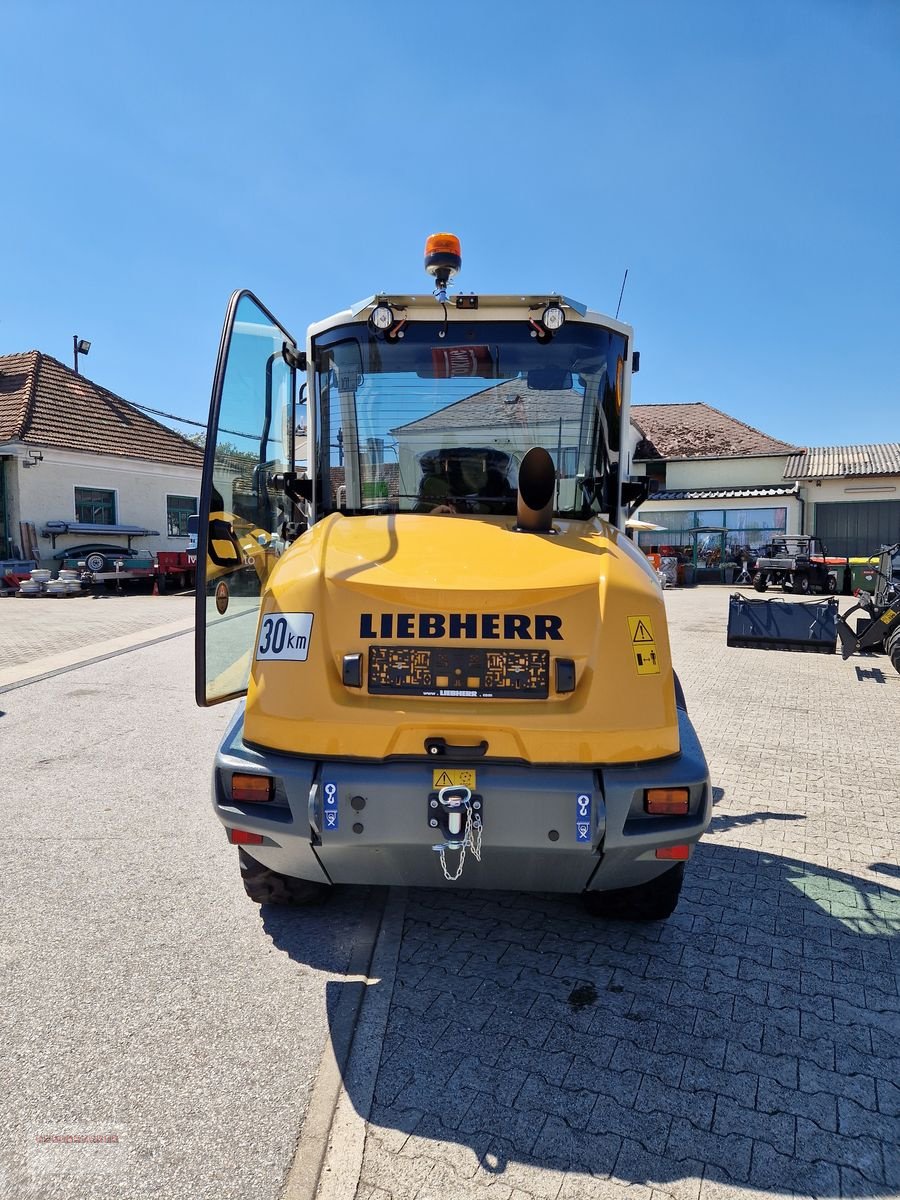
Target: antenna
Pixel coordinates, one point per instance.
(621, 293)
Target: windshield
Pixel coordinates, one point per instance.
(441, 423)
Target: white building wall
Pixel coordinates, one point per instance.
(46, 492)
(884, 487)
(725, 472)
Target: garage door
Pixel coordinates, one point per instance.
(858, 528)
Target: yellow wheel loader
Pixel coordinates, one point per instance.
(452, 662)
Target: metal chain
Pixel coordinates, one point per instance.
(471, 841)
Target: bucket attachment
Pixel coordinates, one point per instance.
(783, 625)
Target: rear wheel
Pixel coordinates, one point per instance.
(653, 901)
(760, 582)
(832, 584)
(800, 584)
(265, 886)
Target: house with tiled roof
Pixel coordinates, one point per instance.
(717, 483)
(80, 464)
(712, 472)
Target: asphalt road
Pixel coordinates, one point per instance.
(144, 998)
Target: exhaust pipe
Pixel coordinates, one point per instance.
(537, 481)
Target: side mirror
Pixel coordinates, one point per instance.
(222, 545)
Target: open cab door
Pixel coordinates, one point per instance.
(250, 438)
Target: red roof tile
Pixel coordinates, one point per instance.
(698, 431)
(44, 403)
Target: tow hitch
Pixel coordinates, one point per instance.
(457, 813)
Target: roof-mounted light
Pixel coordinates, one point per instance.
(382, 317)
(553, 318)
(443, 259)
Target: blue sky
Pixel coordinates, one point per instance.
(742, 160)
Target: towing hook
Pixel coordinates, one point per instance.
(454, 796)
(455, 800)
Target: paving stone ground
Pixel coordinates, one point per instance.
(36, 628)
(748, 1046)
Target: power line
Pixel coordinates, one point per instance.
(170, 416)
(187, 421)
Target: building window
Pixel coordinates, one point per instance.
(565, 459)
(95, 506)
(178, 509)
(736, 532)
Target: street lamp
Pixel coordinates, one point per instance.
(80, 346)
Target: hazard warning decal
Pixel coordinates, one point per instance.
(643, 645)
(453, 777)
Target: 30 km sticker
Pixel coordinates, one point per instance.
(448, 777)
(285, 636)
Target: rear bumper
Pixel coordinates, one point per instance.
(539, 834)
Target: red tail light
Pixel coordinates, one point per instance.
(242, 837)
(679, 852)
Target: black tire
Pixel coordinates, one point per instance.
(96, 563)
(264, 886)
(832, 585)
(800, 584)
(653, 901)
(893, 650)
(760, 582)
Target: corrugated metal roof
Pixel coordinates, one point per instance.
(842, 462)
(725, 493)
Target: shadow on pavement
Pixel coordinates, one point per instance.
(879, 868)
(751, 1040)
(720, 823)
(872, 675)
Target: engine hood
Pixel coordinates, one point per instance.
(549, 647)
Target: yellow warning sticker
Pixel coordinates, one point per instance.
(453, 777)
(641, 630)
(643, 645)
(645, 658)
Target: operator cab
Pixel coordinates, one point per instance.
(398, 406)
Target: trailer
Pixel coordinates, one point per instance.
(174, 569)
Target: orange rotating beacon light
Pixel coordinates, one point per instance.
(443, 259)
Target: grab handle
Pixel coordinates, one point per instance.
(438, 747)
